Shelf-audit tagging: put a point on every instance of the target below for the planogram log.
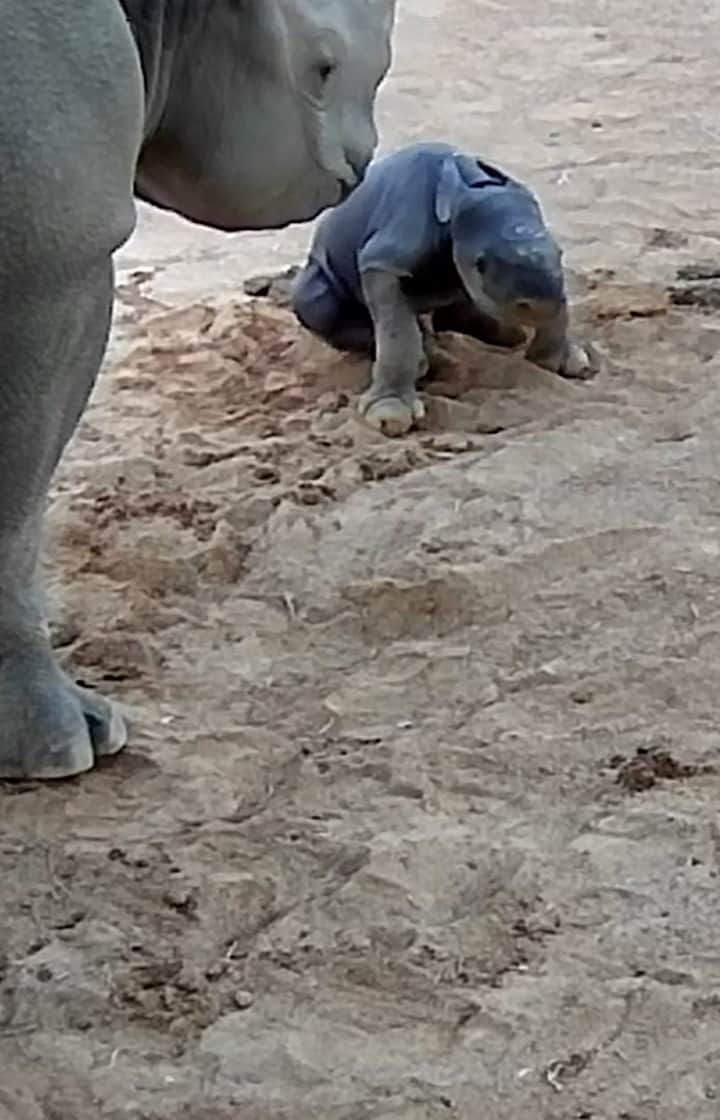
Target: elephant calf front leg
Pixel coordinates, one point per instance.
(463, 317)
(391, 404)
(553, 349)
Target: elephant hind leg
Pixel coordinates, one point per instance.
(343, 324)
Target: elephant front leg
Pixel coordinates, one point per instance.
(52, 346)
(553, 349)
(391, 404)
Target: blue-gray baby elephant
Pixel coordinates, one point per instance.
(434, 231)
(240, 114)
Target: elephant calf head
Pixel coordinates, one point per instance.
(259, 112)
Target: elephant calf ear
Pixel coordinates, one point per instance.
(460, 173)
(449, 186)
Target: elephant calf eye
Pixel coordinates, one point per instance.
(325, 71)
(480, 265)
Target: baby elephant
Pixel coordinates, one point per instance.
(433, 231)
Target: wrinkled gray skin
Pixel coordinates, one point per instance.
(241, 114)
(433, 231)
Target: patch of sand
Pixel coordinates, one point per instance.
(419, 817)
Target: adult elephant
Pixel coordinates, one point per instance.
(239, 114)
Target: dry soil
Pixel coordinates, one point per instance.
(419, 817)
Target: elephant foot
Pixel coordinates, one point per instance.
(581, 362)
(391, 414)
(49, 726)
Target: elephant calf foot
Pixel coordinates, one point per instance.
(391, 404)
(391, 414)
(580, 362)
(49, 726)
(575, 361)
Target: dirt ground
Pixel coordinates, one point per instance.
(419, 817)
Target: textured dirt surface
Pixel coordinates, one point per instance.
(420, 814)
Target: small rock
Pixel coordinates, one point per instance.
(180, 900)
(243, 999)
(257, 285)
(452, 442)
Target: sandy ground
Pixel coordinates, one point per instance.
(419, 818)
